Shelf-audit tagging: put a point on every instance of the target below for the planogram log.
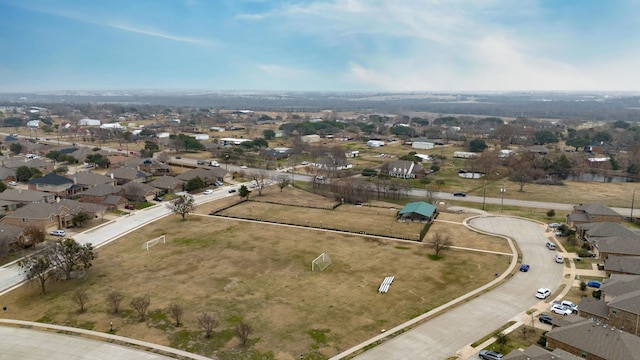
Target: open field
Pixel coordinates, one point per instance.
(260, 274)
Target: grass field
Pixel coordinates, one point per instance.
(261, 274)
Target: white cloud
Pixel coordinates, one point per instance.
(280, 71)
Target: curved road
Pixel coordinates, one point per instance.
(445, 334)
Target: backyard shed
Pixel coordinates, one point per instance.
(418, 211)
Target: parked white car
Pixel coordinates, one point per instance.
(560, 309)
(207, 192)
(568, 304)
(13, 183)
(543, 293)
(58, 233)
(559, 259)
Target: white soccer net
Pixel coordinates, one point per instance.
(152, 242)
(321, 262)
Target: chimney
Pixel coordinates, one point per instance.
(111, 176)
(75, 180)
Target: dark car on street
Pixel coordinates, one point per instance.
(524, 267)
(545, 319)
(594, 284)
(459, 193)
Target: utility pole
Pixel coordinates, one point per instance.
(633, 199)
(484, 194)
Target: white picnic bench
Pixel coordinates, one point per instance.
(384, 287)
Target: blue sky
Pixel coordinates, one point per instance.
(329, 45)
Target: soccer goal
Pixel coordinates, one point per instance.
(321, 262)
(152, 242)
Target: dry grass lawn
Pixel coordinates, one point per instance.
(261, 274)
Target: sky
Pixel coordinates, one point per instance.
(323, 45)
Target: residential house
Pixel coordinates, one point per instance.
(135, 191)
(14, 235)
(615, 264)
(99, 193)
(275, 153)
(405, 169)
(7, 174)
(47, 216)
(168, 184)
(22, 197)
(590, 213)
(6, 207)
(534, 352)
(88, 179)
(154, 167)
(538, 149)
(619, 304)
(605, 247)
(590, 339)
(591, 231)
(208, 175)
(125, 175)
(51, 183)
(42, 165)
(418, 211)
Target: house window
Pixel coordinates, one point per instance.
(25, 220)
(614, 311)
(584, 355)
(51, 218)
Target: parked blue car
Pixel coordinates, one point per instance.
(524, 267)
(594, 284)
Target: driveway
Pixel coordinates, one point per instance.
(446, 334)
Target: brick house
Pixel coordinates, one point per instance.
(615, 264)
(593, 340)
(48, 216)
(87, 179)
(534, 352)
(591, 213)
(124, 175)
(619, 304)
(104, 194)
(208, 175)
(168, 184)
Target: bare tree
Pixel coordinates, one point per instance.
(135, 191)
(182, 205)
(80, 297)
(283, 181)
(176, 311)
(37, 267)
(32, 236)
(260, 179)
(141, 305)
(114, 298)
(243, 331)
(208, 323)
(4, 246)
(162, 157)
(440, 242)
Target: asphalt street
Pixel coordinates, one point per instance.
(445, 334)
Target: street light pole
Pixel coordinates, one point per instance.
(502, 190)
(484, 194)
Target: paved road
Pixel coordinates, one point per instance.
(444, 335)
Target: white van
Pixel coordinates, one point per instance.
(551, 246)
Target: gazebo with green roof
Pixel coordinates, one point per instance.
(417, 211)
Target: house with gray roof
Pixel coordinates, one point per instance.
(615, 264)
(7, 174)
(209, 176)
(124, 175)
(535, 352)
(13, 235)
(88, 179)
(592, 213)
(619, 304)
(51, 183)
(57, 215)
(405, 169)
(591, 339)
(168, 184)
(22, 196)
(592, 231)
(104, 194)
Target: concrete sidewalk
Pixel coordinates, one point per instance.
(24, 340)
